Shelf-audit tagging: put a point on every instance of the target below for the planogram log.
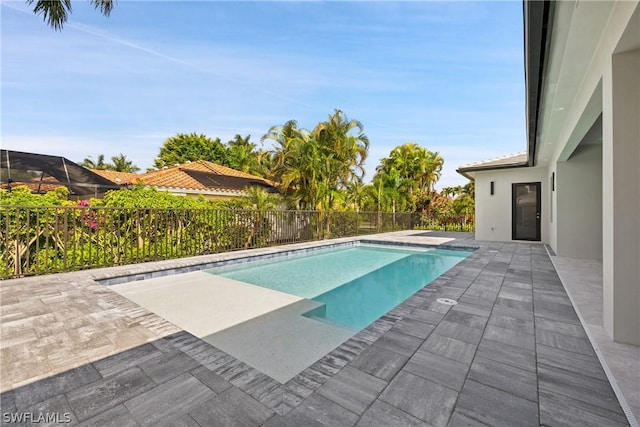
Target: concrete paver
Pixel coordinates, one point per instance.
(512, 352)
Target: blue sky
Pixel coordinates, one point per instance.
(446, 75)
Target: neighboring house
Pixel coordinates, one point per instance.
(121, 179)
(199, 178)
(42, 173)
(577, 188)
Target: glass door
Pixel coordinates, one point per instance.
(526, 211)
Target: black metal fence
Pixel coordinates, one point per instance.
(40, 240)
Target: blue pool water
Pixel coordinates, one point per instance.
(357, 284)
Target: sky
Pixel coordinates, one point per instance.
(448, 76)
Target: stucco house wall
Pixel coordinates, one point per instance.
(590, 79)
(493, 212)
(579, 204)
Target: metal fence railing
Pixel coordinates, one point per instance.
(40, 240)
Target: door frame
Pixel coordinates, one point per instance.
(538, 185)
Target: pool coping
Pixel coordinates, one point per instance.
(242, 258)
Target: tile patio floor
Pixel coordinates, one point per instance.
(511, 352)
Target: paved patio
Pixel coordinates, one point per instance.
(511, 352)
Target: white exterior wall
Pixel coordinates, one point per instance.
(552, 206)
(493, 213)
(621, 201)
(578, 204)
(593, 69)
(609, 85)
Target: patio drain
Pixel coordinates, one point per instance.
(447, 301)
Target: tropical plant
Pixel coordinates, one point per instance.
(292, 155)
(464, 202)
(316, 167)
(242, 155)
(345, 150)
(98, 164)
(356, 194)
(56, 12)
(120, 163)
(409, 174)
(259, 201)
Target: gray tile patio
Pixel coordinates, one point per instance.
(511, 352)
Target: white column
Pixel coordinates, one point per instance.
(621, 197)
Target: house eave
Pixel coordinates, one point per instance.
(195, 191)
(466, 172)
(538, 23)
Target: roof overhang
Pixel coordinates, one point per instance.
(469, 172)
(538, 22)
(198, 191)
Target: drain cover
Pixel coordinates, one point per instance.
(447, 301)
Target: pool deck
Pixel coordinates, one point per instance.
(511, 352)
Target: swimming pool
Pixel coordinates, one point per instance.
(355, 285)
(281, 311)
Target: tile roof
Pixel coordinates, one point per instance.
(199, 175)
(508, 160)
(119, 178)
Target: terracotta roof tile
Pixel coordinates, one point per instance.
(203, 175)
(119, 178)
(173, 177)
(198, 175)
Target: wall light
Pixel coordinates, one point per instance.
(492, 188)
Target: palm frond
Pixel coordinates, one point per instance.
(54, 12)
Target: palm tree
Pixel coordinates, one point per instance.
(349, 150)
(431, 167)
(292, 157)
(122, 164)
(283, 137)
(98, 164)
(259, 200)
(317, 166)
(56, 12)
(356, 194)
(242, 154)
(418, 169)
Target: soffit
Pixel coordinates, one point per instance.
(577, 30)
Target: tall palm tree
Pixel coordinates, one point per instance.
(56, 12)
(120, 163)
(316, 166)
(349, 150)
(418, 170)
(283, 138)
(343, 151)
